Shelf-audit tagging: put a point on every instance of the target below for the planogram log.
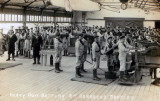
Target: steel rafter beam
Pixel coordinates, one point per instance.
(145, 4)
(30, 3)
(141, 3)
(4, 4)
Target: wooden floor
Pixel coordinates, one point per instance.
(22, 84)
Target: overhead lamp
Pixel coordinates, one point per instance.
(124, 4)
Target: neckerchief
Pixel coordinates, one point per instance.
(124, 45)
(59, 40)
(98, 45)
(81, 42)
(110, 45)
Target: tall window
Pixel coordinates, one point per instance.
(36, 18)
(40, 18)
(65, 19)
(62, 20)
(31, 18)
(58, 19)
(27, 18)
(20, 18)
(48, 18)
(52, 18)
(2, 17)
(44, 18)
(14, 17)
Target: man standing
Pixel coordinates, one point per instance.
(27, 45)
(79, 50)
(122, 57)
(11, 39)
(96, 53)
(36, 44)
(58, 45)
(109, 47)
(84, 52)
(22, 38)
(17, 42)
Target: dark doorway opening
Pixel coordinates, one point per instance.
(157, 24)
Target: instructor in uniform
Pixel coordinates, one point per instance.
(11, 39)
(79, 50)
(36, 44)
(58, 45)
(122, 57)
(96, 53)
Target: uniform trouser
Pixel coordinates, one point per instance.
(16, 52)
(65, 52)
(58, 57)
(84, 57)
(27, 53)
(78, 61)
(9, 54)
(36, 55)
(122, 64)
(21, 51)
(109, 59)
(96, 63)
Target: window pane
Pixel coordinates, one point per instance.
(19, 17)
(58, 19)
(61, 19)
(32, 18)
(69, 19)
(13, 17)
(9, 17)
(2, 17)
(65, 19)
(51, 18)
(48, 18)
(40, 18)
(27, 18)
(6, 17)
(35, 18)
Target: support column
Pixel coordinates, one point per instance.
(77, 18)
(24, 17)
(55, 20)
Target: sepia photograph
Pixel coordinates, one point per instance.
(79, 50)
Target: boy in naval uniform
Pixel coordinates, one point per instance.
(79, 50)
(96, 53)
(123, 50)
(27, 45)
(17, 42)
(109, 53)
(84, 52)
(58, 45)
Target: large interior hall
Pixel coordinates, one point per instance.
(79, 50)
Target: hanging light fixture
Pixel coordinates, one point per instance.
(123, 1)
(124, 4)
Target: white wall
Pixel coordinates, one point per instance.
(149, 23)
(128, 13)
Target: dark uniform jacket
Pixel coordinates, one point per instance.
(11, 43)
(36, 44)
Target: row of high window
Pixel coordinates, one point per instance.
(11, 17)
(33, 18)
(48, 18)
